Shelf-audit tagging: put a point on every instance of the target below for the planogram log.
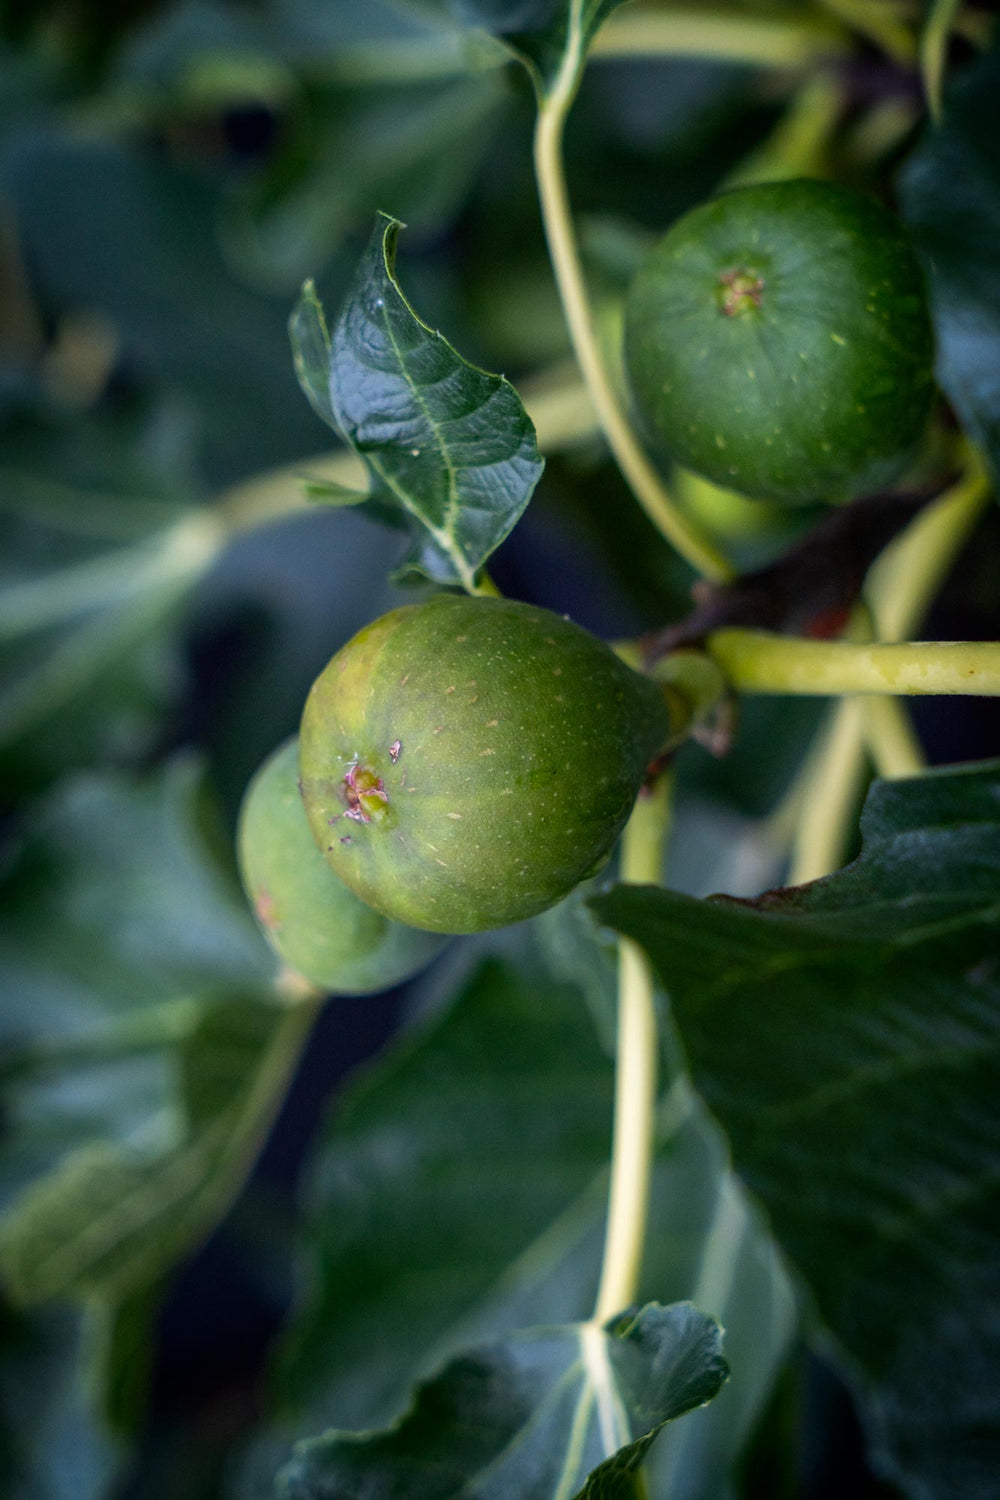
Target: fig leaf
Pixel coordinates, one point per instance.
(448, 445)
(856, 1020)
(550, 1412)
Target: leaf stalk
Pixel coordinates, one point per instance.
(637, 1069)
(640, 474)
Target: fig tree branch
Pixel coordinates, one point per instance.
(754, 661)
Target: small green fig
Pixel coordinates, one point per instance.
(778, 342)
(309, 917)
(465, 762)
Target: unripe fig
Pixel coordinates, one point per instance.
(778, 342)
(466, 761)
(307, 914)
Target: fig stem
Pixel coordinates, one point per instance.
(911, 570)
(645, 482)
(770, 41)
(899, 587)
(884, 23)
(828, 795)
(642, 849)
(934, 51)
(755, 661)
(892, 741)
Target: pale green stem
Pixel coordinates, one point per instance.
(891, 739)
(640, 474)
(934, 50)
(485, 588)
(883, 22)
(830, 792)
(636, 1071)
(179, 552)
(799, 143)
(773, 42)
(912, 569)
(898, 589)
(754, 661)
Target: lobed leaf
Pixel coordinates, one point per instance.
(459, 1194)
(112, 1218)
(546, 1414)
(450, 446)
(136, 1028)
(847, 1035)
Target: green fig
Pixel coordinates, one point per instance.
(778, 342)
(465, 762)
(309, 917)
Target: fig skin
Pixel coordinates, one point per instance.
(308, 916)
(465, 762)
(778, 341)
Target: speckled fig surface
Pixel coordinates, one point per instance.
(466, 761)
(309, 917)
(778, 342)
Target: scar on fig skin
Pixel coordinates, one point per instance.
(364, 793)
(394, 750)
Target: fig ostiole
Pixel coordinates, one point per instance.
(318, 927)
(465, 762)
(778, 341)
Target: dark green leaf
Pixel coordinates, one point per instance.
(131, 234)
(96, 560)
(53, 1442)
(451, 445)
(847, 1034)
(950, 194)
(163, 923)
(310, 341)
(125, 1358)
(134, 1092)
(459, 1194)
(110, 1219)
(532, 1416)
(363, 140)
(542, 32)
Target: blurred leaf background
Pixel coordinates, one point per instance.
(169, 174)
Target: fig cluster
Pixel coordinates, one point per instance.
(309, 916)
(462, 763)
